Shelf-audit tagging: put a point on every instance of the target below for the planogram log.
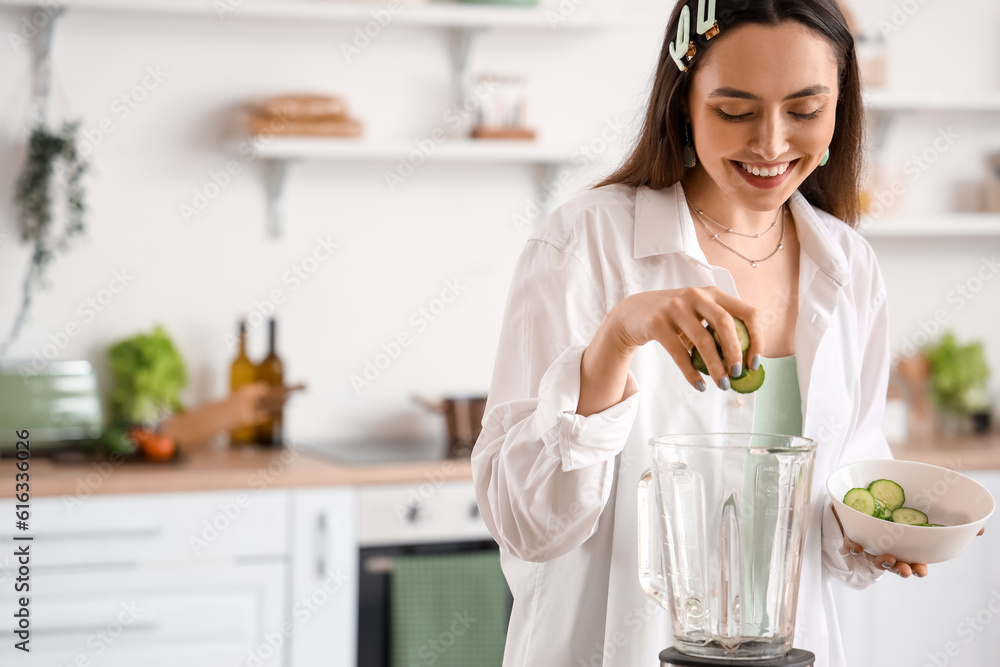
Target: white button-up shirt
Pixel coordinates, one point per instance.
(558, 490)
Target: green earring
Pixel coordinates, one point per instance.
(825, 158)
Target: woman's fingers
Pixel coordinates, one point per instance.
(705, 343)
(751, 318)
(725, 327)
(902, 568)
(671, 342)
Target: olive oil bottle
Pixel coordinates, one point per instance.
(241, 373)
(272, 371)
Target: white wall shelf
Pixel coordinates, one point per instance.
(943, 226)
(280, 152)
(888, 100)
(432, 14)
(464, 22)
(454, 150)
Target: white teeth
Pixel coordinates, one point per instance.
(765, 172)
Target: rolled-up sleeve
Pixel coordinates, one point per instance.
(868, 441)
(543, 473)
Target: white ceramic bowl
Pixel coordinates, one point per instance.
(960, 504)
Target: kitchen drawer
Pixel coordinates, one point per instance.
(192, 615)
(419, 513)
(151, 528)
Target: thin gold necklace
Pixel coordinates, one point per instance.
(730, 229)
(753, 262)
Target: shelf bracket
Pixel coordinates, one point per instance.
(546, 174)
(461, 48)
(276, 200)
(882, 122)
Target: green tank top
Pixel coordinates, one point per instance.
(777, 410)
(778, 407)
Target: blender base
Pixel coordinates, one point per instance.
(671, 657)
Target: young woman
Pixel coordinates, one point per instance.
(738, 200)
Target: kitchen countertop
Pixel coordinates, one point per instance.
(256, 467)
(957, 452)
(221, 468)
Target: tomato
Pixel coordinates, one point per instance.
(154, 446)
(159, 448)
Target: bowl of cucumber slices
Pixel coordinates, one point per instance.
(919, 513)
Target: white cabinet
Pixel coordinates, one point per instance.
(950, 618)
(197, 579)
(324, 600)
(185, 614)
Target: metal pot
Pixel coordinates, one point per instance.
(464, 415)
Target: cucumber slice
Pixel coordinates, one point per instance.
(749, 382)
(741, 333)
(889, 492)
(862, 500)
(908, 516)
(699, 362)
(881, 511)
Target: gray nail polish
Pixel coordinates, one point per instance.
(755, 362)
(701, 385)
(724, 385)
(853, 552)
(886, 564)
(737, 369)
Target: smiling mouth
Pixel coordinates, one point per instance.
(765, 172)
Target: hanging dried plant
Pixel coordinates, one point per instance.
(50, 155)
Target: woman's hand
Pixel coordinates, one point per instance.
(886, 561)
(673, 318)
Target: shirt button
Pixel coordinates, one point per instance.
(738, 402)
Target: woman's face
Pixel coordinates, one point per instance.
(765, 97)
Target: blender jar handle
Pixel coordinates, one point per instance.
(651, 575)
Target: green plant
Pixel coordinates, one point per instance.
(48, 153)
(958, 375)
(148, 375)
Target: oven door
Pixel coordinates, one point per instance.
(426, 520)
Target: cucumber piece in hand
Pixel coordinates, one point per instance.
(741, 333)
(862, 500)
(749, 382)
(888, 492)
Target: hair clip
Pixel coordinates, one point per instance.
(683, 46)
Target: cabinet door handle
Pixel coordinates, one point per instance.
(474, 511)
(321, 544)
(413, 511)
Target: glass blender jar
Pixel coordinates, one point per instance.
(722, 520)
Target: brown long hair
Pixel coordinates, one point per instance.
(657, 160)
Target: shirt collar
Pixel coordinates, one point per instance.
(663, 225)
